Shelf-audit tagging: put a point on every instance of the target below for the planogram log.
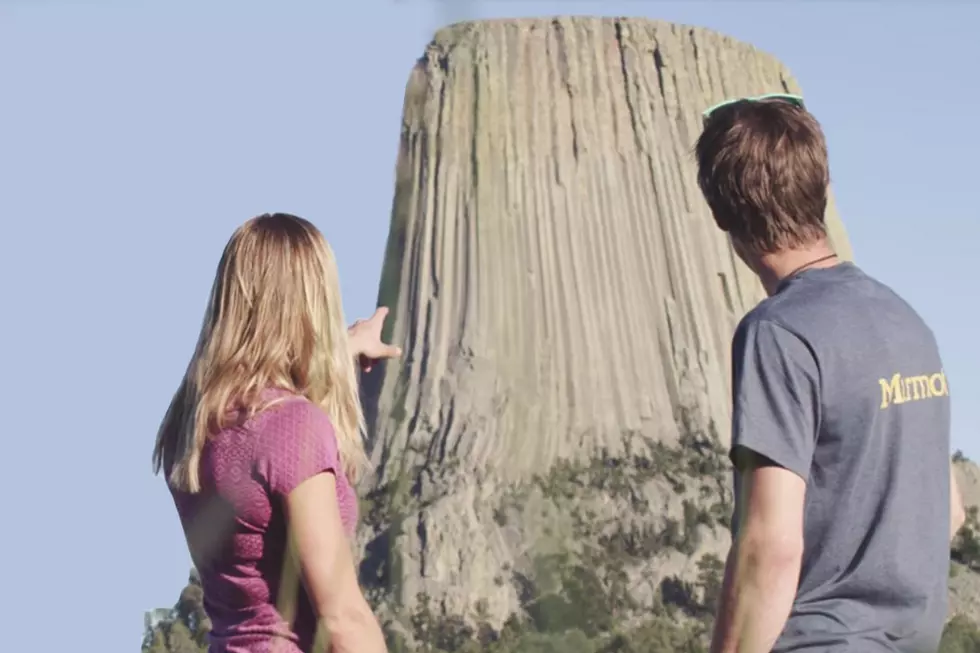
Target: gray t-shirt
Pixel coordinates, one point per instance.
(837, 379)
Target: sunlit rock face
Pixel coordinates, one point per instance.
(565, 304)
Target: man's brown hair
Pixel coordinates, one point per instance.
(762, 167)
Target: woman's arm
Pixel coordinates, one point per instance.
(327, 566)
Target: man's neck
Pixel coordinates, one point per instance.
(775, 267)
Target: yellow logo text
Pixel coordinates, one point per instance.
(901, 389)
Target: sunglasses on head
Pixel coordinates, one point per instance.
(795, 100)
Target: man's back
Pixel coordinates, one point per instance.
(876, 548)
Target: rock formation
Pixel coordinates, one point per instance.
(964, 582)
(565, 304)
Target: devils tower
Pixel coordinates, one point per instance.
(565, 304)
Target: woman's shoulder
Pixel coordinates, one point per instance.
(295, 439)
(287, 416)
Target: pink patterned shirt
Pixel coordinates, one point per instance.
(236, 528)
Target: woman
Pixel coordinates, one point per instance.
(262, 443)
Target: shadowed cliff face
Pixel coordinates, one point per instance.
(565, 304)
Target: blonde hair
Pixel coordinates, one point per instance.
(274, 320)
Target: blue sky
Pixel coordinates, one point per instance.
(135, 135)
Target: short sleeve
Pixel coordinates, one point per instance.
(296, 442)
(776, 396)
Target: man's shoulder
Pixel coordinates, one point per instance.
(765, 328)
(770, 314)
(844, 313)
(842, 295)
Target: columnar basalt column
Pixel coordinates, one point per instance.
(565, 304)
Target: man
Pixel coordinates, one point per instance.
(845, 502)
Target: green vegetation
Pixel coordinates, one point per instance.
(696, 467)
(184, 628)
(966, 544)
(658, 634)
(568, 611)
(572, 607)
(572, 628)
(961, 635)
(575, 593)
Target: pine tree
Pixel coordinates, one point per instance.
(185, 627)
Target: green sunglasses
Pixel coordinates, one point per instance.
(795, 100)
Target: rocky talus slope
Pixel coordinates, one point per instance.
(964, 581)
(566, 305)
